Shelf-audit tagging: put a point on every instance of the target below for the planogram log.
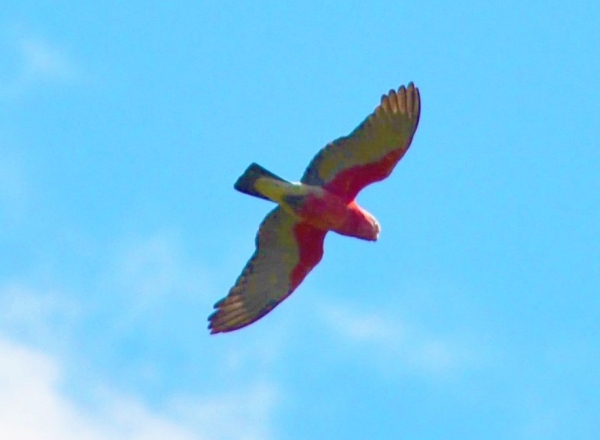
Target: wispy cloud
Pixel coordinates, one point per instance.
(130, 300)
(142, 282)
(37, 61)
(397, 344)
(32, 407)
(241, 415)
(44, 61)
(153, 267)
(35, 315)
(14, 188)
(147, 276)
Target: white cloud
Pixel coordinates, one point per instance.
(398, 344)
(32, 407)
(143, 278)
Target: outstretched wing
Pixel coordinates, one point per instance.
(371, 151)
(286, 251)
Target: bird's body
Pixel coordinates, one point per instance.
(319, 207)
(290, 239)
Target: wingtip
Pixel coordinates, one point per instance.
(399, 95)
(213, 325)
(410, 100)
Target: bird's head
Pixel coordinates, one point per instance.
(372, 232)
(368, 227)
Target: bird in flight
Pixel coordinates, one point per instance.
(289, 242)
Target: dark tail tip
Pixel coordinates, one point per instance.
(246, 181)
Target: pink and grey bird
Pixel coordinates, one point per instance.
(290, 239)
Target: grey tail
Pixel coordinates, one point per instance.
(246, 181)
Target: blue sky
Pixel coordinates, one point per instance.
(122, 129)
